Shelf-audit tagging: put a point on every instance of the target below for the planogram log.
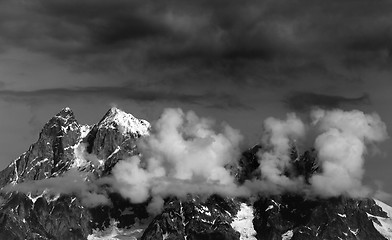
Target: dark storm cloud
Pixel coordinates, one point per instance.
(231, 41)
(122, 93)
(304, 101)
(106, 23)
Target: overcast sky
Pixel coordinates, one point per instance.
(235, 61)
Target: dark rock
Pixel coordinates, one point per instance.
(248, 165)
(64, 218)
(315, 219)
(195, 218)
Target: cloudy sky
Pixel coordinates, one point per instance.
(234, 61)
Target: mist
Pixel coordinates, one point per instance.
(187, 154)
(184, 154)
(73, 182)
(341, 146)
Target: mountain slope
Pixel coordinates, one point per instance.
(50, 156)
(59, 151)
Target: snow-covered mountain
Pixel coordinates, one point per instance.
(31, 209)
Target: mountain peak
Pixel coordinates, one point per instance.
(115, 110)
(116, 118)
(64, 119)
(65, 113)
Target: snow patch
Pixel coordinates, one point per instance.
(80, 148)
(386, 223)
(84, 130)
(203, 209)
(79, 160)
(85, 159)
(206, 221)
(276, 204)
(355, 231)
(287, 235)
(114, 152)
(269, 207)
(35, 198)
(16, 175)
(243, 223)
(114, 233)
(126, 123)
(51, 198)
(39, 163)
(64, 129)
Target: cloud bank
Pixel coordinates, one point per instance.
(275, 158)
(341, 147)
(191, 45)
(184, 155)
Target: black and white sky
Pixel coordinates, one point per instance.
(234, 61)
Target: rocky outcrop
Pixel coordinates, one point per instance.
(195, 219)
(43, 217)
(248, 165)
(334, 218)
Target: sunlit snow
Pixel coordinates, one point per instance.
(114, 233)
(386, 223)
(287, 235)
(243, 223)
(126, 122)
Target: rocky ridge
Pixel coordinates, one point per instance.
(64, 145)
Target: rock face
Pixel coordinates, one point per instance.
(195, 219)
(44, 217)
(40, 215)
(114, 137)
(338, 218)
(50, 156)
(64, 145)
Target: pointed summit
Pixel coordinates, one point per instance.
(113, 111)
(126, 123)
(65, 114)
(60, 124)
(114, 134)
(51, 155)
(66, 110)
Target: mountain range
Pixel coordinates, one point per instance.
(60, 189)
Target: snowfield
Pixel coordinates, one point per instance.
(243, 223)
(114, 233)
(386, 223)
